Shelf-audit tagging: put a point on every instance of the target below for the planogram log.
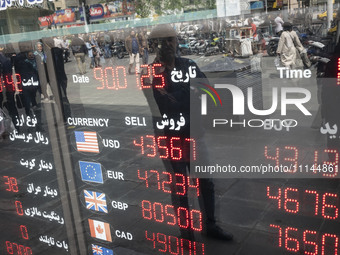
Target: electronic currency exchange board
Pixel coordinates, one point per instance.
(112, 167)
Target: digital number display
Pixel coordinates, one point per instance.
(291, 200)
(290, 154)
(294, 240)
(14, 248)
(115, 77)
(183, 217)
(164, 181)
(7, 81)
(174, 245)
(163, 147)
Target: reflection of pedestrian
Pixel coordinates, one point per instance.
(253, 28)
(79, 51)
(279, 22)
(173, 100)
(58, 79)
(89, 51)
(107, 44)
(26, 66)
(40, 58)
(96, 51)
(133, 47)
(145, 46)
(286, 48)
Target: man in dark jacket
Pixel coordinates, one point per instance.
(133, 46)
(171, 97)
(79, 51)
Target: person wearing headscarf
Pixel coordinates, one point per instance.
(40, 58)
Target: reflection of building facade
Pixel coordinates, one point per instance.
(23, 19)
(63, 4)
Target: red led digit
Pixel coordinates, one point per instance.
(151, 239)
(194, 186)
(278, 197)
(291, 241)
(141, 144)
(12, 184)
(145, 178)
(291, 201)
(162, 147)
(193, 148)
(14, 244)
(124, 86)
(183, 217)
(10, 82)
(163, 242)
(146, 211)
(315, 165)
(159, 210)
(275, 158)
(100, 77)
(174, 149)
(112, 79)
(21, 250)
(9, 247)
(157, 174)
(7, 182)
(338, 80)
(24, 233)
(334, 164)
(336, 244)
(153, 146)
(28, 251)
(294, 158)
(310, 243)
(142, 77)
(176, 244)
(196, 217)
(329, 211)
(280, 233)
(138, 76)
(167, 183)
(18, 78)
(170, 213)
(180, 185)
(161, 84)
(316, 200)
(187, 247)
(197, 249)
(1, 84)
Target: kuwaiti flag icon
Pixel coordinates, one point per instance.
(100, 230)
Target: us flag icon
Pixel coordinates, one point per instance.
(100, 230)
(87, 141)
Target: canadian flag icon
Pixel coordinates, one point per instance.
(100, 230)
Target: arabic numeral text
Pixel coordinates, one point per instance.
(324, 168)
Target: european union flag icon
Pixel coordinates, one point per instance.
(91, 172)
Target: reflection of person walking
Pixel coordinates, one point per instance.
(145, 46)
(40, 58)
(286, 48)
(79, 50)
(133, 47)
(173, 100)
